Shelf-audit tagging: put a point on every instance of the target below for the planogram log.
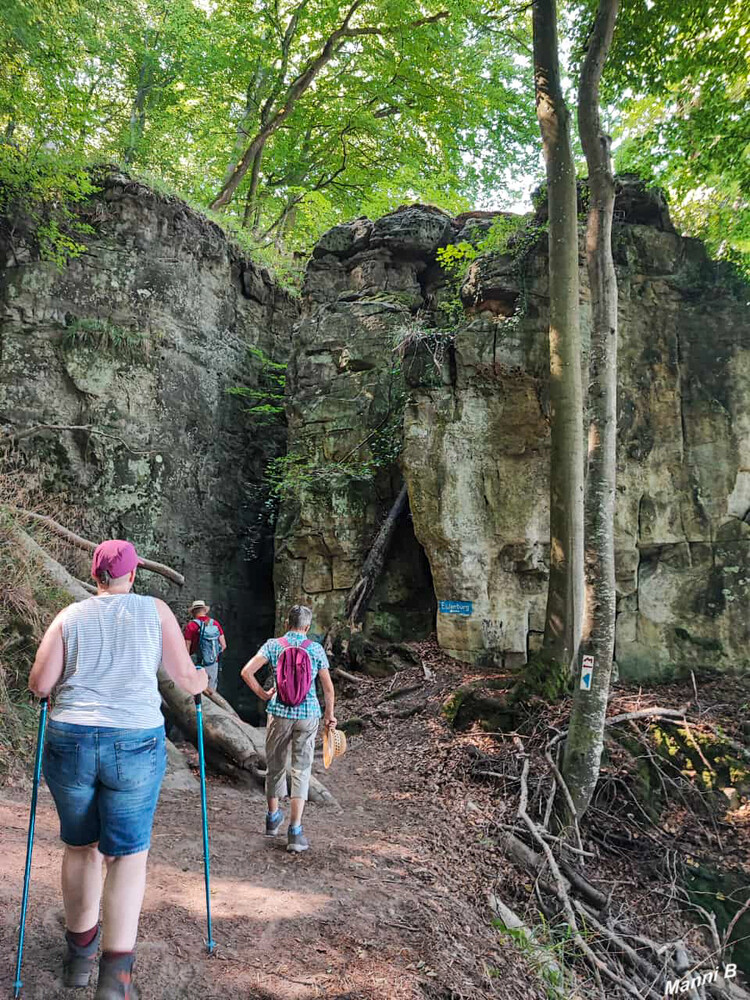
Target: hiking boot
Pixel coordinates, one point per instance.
(273, 825)
(116, 979)
(78, 963)
(296, 842)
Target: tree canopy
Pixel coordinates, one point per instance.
(360, 105)
(679, 84)
(290, 115)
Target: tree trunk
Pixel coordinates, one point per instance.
(251, 214)
(226, 735)
(272, 120)
(88, 546)
(585, 741)
(565, 594)
(138, 111)
(360, 594)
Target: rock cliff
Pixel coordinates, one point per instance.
(136, 342)
(378, 392)
(122, 361)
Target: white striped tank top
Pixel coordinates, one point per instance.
(112, 652)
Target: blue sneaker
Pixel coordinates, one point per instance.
(296, 842)
(273, 823)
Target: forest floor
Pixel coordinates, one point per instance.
(391, 902)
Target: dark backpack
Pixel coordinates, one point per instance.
(208, 647)
(293, 673)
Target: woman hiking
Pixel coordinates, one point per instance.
(105, 757)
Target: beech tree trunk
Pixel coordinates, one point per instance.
(585, 741)
(565, 594)
(251, 214)
(138, 111)
(359, 596)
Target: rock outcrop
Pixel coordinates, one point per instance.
(345, 412)
(475, 441)
(127, 353)
(139, 340)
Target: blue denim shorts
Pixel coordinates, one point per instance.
(105, 783)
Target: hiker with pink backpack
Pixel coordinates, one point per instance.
(293, 717)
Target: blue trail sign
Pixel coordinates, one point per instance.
(464, 608)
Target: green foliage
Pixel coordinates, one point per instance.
(177, 90)
(502, 237)
(102, 336)
(548, 950)
(268, 398)
(292, 475)
(679, 90)
(46, 189)
(512, 235)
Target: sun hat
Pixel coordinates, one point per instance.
(334, 745)
(116, 557)
(198, 604)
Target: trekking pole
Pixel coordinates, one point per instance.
(30, 841)
(210, 943)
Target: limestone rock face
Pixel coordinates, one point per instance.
(475, 447)
(345, 401)
(140, 339)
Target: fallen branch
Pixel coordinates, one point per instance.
(84, 543)
(57, 573)
(359, 596)
(31, 431)
(561, 891)
(346, 676)
(643, 713)
(541, 955)
(401, 692)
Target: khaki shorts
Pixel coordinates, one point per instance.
(281, 734)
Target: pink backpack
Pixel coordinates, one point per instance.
(293, 673)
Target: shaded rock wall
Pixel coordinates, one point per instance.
(345, 403)
(140, 338)
(475, 439)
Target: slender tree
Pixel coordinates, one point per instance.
(583, 748)
(564, 600)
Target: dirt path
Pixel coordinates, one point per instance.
(375, 911)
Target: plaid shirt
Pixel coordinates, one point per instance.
(310, 707)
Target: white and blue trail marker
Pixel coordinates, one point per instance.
(464, 608)
(587, 672)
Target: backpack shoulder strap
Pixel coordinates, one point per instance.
(284, 642)
(306, 644)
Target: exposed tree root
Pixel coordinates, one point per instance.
(633, 962)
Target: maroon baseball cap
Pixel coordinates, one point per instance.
(116, 557)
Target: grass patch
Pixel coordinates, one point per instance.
(102, 336)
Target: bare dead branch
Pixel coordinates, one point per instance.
(88, 546)
(9, 439)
